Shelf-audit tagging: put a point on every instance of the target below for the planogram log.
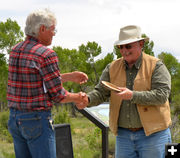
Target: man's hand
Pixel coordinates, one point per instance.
(83, 101)
(79, 77)
(80, 99)
(76, 76)
(125, 93)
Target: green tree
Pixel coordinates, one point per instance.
(91, 50)
(10, 34)
(83, 59)
(3, 80)
(148, 46)
(102, 63)
(173, 66)
(94, 64)
(70, 60)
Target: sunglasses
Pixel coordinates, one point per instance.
(127, 46)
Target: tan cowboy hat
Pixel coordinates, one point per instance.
(130, 34)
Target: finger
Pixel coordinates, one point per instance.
(121, 88)
(85, 77)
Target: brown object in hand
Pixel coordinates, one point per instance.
(111, 86)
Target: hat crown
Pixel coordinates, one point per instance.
(129, 32)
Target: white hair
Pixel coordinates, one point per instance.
(38, 18)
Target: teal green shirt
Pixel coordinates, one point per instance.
(159, 93)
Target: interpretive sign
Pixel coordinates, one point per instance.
(101, 112)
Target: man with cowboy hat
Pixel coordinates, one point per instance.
(139, 114)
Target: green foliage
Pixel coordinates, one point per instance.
(3, 76)
(61, 115)
(4, 134)
(83, 60)
(94, 139)
(171, 63)
(94, 66)
(91, 50)
(10, 34)
(7, 155)
(70, 60)
(173, 67)
(116, 52)
(102, 63)
(175, 128)
(148, 46)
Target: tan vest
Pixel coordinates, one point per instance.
(154, 118)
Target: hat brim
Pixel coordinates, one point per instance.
(119, 42)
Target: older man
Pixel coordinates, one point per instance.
(34, 83)
(140, 113)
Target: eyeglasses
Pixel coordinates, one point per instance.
(55, 31)
(127, 46)
(52, 29)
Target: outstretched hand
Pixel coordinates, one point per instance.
(79, 77)
(76, 76)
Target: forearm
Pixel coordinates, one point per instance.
(71, 97)
(65, 77)
(153, 97)
(96, 98)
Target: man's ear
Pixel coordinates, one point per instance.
(42, 29)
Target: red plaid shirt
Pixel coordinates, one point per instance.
(34, 79)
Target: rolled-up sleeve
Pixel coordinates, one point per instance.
(52, 78)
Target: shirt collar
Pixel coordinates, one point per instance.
(32, 38)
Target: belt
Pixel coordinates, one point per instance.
(32, 110)
(135, 129)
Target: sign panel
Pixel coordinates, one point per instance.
(101, 111)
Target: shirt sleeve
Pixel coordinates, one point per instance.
(100, 94)
(160, 88)
(52, 78)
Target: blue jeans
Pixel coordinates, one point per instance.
(32, 133)
(137, 145)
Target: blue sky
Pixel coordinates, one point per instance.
(80, 21)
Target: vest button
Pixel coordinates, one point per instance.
(145, 109)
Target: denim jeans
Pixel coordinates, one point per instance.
(137, 145)
(32, 133)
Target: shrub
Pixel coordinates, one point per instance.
(60, 115)
(4, 134)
